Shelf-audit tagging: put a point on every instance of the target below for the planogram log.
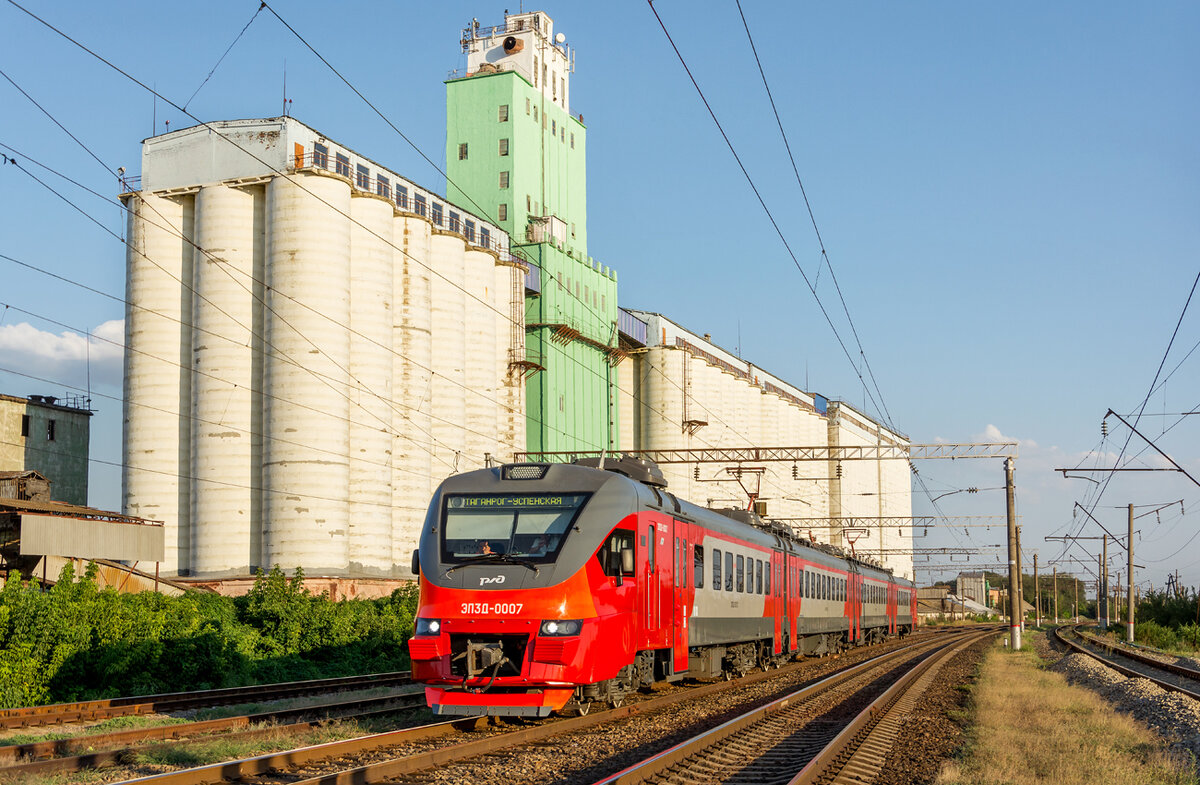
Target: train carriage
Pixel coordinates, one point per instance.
(543, 585)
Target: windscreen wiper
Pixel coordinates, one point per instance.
(494, 557)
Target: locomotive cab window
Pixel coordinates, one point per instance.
(507, 527)
(616, 554)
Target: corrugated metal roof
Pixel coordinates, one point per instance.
(16, 475)
(75, 510)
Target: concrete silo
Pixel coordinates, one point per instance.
(371, 370)
(225, 447)
(157, 390)
(306, 477)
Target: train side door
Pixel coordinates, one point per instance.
(684, 594)
(658, 596)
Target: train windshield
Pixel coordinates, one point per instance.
(508, 526)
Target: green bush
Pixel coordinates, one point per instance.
(76, 641)
(1151, 633)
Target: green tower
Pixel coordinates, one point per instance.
(516, 153)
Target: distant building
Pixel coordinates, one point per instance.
(49, 436)
(972, 585)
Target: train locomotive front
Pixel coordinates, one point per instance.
(524, 605)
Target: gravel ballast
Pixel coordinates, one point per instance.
(1173, 716)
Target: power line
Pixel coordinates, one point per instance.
(762, 203)
(803, 192)
(226, 53)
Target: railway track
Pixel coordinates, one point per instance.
(61, 713)
(800, 738)
(105, 749)
(412, 754)
(1132, 663)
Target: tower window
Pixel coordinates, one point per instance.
(320, 155)
(485, 237)
(342, 165)
(469, 230)
(502, 212)
(24, 424)
(553, 87)
(503, 147)
(419, 204)
(554, 128)
(528, 203)
(453, 221)
(435, 212)
(401, 196)
(572, 141)
(504, 179)
(535, 70)
(502, 114)
(50, 430)
(572, 231)
(527, 102)
(562, 134)
(383, 187)
(363, 180)
(462, 151)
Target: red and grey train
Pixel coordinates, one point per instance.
(544, 586)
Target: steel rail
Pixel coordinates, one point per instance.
(58, 713)
(859, 752)
(1121, 669)
(1132, 654)
(387, 769)
(38, 757)
(657, 765)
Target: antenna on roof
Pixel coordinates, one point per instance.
(285, 101)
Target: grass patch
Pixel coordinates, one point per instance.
(1030, 726)
(216, 750)
(107, 726)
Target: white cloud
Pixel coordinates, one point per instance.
(992, 434)
(64, 358)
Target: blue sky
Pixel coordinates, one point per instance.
(1009, 196)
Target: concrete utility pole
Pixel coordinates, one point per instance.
(1056, 594)
(1104, 582)
(1037, 595)
(1020, 583)
(1099, 589)
(1014, 576)
(1075, 607)
(1129, 623)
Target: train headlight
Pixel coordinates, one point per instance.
(559, 627)
(428, 627)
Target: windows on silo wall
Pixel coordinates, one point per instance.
(363, 180)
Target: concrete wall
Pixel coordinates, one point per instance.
(60, 454)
